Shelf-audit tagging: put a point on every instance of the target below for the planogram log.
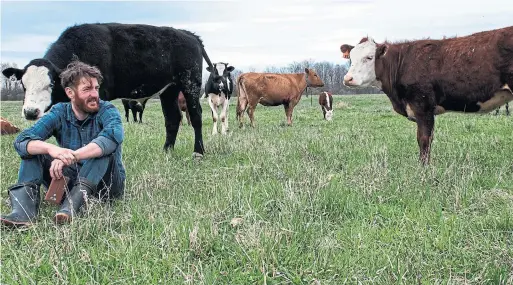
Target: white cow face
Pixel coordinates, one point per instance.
(38, 92)
(362, 72)
(38, 85)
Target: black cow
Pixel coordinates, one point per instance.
(218, 89)
(128, 55)
(136, 107)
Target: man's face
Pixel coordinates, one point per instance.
(85, 96)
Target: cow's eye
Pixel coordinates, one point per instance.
(369, 58)
(51, 85)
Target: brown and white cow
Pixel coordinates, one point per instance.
(425, 78)
(273, 89)
(7, 128)
(326, 102)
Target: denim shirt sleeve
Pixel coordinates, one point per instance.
(111, 136)
(41, 130)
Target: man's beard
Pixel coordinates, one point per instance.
(83, 105)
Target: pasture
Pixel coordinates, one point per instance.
(341, 202)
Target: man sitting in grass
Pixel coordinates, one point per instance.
(89, 133)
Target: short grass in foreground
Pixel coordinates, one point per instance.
(335, 202)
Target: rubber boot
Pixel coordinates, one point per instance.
(74, 200)
(25, 201)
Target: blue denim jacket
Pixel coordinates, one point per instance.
(103, 128)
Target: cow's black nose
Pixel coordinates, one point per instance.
(31, 113)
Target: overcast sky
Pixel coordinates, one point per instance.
(256, 33)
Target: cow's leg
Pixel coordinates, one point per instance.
(213, 107)
(140, 115)
(171, 115)
(323, 112)
(425, 128)
(188, 117)
(251, 114)
(224, 116)
(507, 109)
(289, 108)
(497, 111)
(134, 113)
(127, 111)
(191, 92)
(242, 105)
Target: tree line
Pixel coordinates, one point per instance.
(332, 75)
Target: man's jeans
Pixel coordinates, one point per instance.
(101, 171)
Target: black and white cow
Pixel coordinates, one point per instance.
(136, 107)
(219, 88)
(128, 55)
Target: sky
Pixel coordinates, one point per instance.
(251, 34)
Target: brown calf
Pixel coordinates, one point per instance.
(273, 89)
(7, 128)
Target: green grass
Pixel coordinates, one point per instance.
(341, 202)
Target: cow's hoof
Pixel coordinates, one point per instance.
(197, 156)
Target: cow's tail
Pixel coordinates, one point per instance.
(203, 52)
(242, 97)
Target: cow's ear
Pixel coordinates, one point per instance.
(209, 69)
(230, 68)
(18, 73)
(381, 50)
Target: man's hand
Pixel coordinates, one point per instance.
(67, 156)
(56, 169)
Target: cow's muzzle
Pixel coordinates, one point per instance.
(31, 113)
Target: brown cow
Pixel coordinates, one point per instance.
(429, 77)
(7, 128)
(183, 108)
(326, 102)
(273, 89)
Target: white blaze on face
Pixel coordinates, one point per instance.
(38, 94)
(362, 72)
(329, 110)
(228, 82)
(220, 70)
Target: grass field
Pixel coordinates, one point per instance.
(341, 202)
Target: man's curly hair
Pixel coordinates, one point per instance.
(76, 70)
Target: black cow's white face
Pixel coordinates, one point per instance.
(38, 92)
(38, 85)
(223, 69)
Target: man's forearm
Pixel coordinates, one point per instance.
(91, 150)
(36, 147)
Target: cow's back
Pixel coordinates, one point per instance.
(463, 69)
(129, 54)
(271, 88)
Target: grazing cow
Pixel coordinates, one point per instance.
(7, 128)
(507, 110)
(182, 104)
(219, 88)
(135, 106)
(128, 55)
(425, 78)
(273, 89)
(326, 102)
